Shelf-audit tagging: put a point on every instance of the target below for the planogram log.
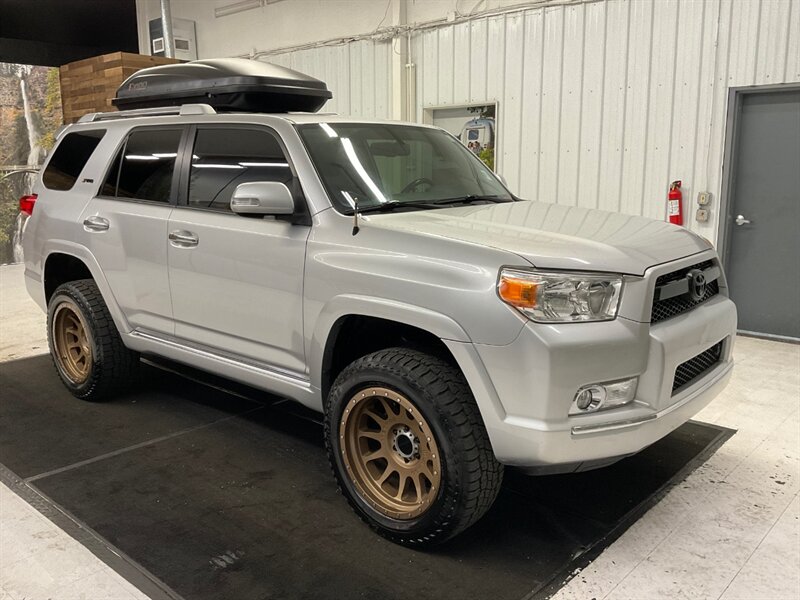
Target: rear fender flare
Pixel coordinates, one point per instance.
(83, 254)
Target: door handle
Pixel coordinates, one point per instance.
(740, 220)
(95, 224)
(181, 238)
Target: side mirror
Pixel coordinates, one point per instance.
(262, 198)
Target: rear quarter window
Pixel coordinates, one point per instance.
(69, 159)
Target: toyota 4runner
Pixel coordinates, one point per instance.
(379, 273)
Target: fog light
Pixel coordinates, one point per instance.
(589, 398)
(599, 396)
(583, 400)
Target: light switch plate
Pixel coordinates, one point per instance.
(703, 198)
(702, 215)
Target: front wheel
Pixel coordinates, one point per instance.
(408, 447)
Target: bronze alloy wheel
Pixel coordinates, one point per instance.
(73, 350)
(390, 453)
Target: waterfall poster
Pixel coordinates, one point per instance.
(30, 115)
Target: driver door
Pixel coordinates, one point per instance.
(237, 282)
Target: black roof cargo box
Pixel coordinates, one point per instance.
(227, 84)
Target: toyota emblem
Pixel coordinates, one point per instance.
(697, 284)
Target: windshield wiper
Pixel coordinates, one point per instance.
(392, 205)
(471, 199)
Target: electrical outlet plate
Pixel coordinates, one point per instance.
(702, 215)
(703, 198)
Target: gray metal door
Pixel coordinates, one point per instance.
(763, 258)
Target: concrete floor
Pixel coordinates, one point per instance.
(731, 530)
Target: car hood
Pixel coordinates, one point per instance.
(551, 236)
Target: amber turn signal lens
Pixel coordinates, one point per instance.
(518, 292)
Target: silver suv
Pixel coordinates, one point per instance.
(379, 273)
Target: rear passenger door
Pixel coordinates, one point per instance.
(237, 281)
(126, 225)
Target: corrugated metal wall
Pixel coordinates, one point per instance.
(602, 104)
(358, 73)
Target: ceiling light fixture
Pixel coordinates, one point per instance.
(237, 7)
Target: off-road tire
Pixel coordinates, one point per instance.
(470, 475)
(114, 368)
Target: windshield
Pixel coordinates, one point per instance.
(385, 164)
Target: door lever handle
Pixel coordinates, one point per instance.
(95, 223)
(740, 220)
(183, 239)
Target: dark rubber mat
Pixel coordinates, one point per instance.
(43, 427)
(233, 498)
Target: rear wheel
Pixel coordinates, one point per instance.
(408, 447)
(85, 345)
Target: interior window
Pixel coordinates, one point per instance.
(69, 159)
(395, 171)
(145, 170)
(224, 158)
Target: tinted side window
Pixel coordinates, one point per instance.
(69, 158)
(110, 184)
(148, 161)
(224, 158)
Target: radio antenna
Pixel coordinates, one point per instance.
(355, 216)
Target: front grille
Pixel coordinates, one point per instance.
(671, 307)
(693, 368)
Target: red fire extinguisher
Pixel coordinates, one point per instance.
(675, 203)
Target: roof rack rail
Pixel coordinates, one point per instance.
(184, 110)
(316, 114)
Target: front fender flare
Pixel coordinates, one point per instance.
(440, 325)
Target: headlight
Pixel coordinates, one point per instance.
(548, 297)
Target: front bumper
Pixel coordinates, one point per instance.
(525, 389)
(588, 446)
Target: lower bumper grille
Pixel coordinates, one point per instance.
(692, 369)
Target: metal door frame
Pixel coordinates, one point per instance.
(730, 156)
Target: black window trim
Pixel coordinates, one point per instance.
(120, 148)
(52, 154)
(302, 215)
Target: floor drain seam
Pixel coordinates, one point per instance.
(138, 446)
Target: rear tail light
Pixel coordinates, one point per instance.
(26, 204)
